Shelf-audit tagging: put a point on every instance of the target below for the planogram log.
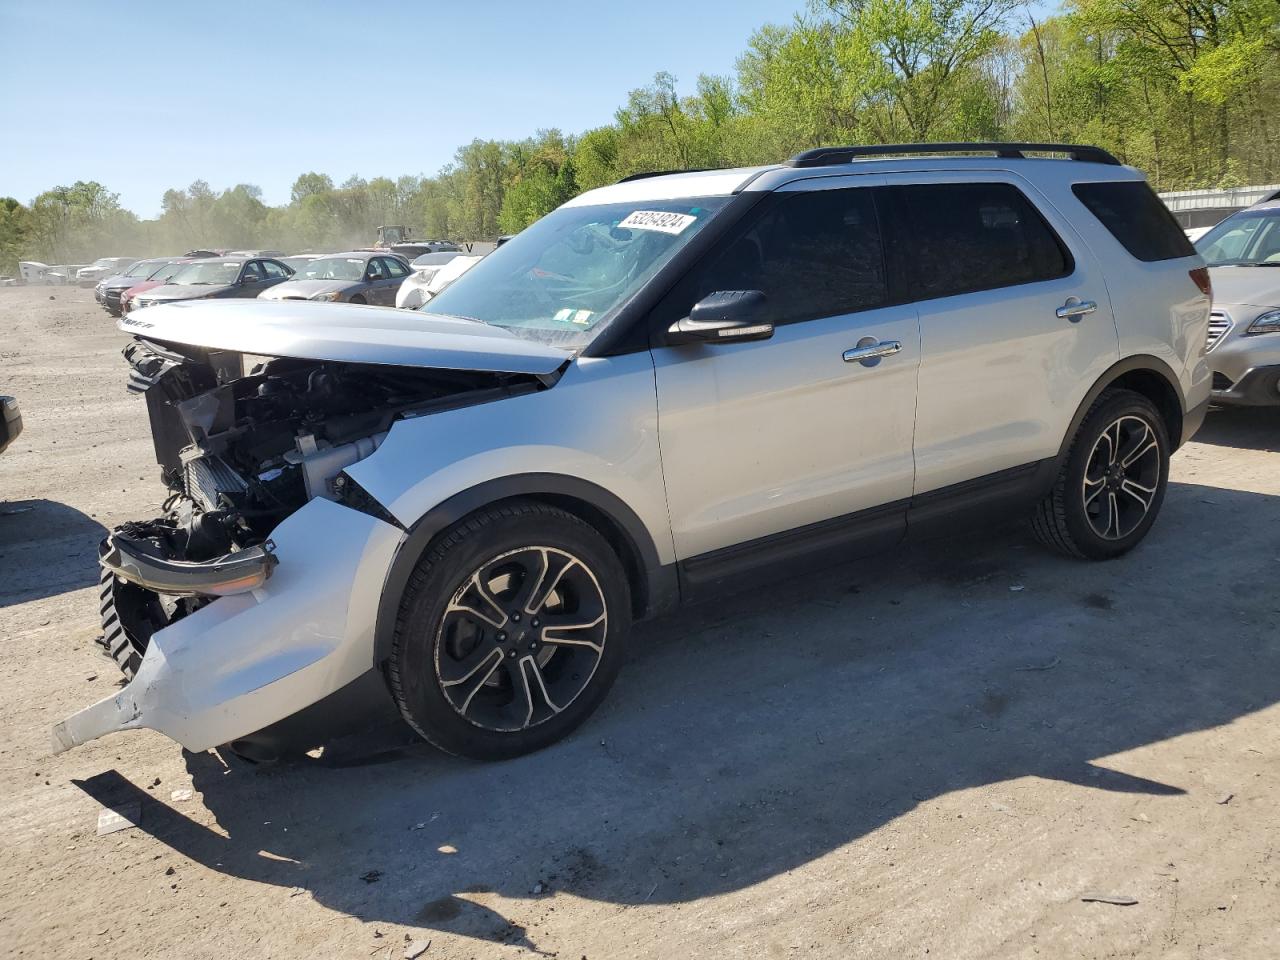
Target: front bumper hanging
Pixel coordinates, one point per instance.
(238, 572)
(255, 655)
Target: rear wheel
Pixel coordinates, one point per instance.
(510, 633)
(1110, 489)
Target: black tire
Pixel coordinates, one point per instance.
(436, 633)
(358, 299)
(1064, 520)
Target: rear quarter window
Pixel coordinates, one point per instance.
(945, 239)
(1137, 218)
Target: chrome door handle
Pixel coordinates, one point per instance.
(1075, 308)
(869, 351)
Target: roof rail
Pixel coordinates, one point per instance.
(826, 156)
(661, 173)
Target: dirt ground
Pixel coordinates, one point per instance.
(938, 754)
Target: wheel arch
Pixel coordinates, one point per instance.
(653, 584)
(1144, 374)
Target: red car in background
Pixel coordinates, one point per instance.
(157, 279)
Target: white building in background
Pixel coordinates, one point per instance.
(1204, 208)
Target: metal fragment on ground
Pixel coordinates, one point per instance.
(119, 818)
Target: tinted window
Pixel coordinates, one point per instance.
(274, 270)
(395, 268)
(813, 254)
(1137, 218)
(949, 238)
(252, 272)
(374, 271)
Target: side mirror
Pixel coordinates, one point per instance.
(727, 316)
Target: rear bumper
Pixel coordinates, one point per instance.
(1258, 387)
(248, 661)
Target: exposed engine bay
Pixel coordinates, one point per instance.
(241, 452)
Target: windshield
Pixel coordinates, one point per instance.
(332, 268)
(143, 268)
(206, 273)
(1250, 238)
(564, 278)
(166, 272)
(296, 263)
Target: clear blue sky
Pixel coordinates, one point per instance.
(145, 96)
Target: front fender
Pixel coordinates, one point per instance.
(598, 425)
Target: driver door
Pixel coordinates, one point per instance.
(776, 447)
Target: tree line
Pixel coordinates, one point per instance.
(1183, 89)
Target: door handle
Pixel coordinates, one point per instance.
(1075, 308)
(869, 351)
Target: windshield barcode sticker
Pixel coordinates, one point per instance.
(658, 220)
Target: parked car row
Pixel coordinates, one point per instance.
(357, 276)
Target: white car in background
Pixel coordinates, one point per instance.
(432, 272)
(102, 268)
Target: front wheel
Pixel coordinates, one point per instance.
(510, 633)
(1110, 489)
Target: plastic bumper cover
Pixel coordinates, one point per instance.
(1259, 386)
(247, 661)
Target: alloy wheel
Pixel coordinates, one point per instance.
(521, 638)
(1122, 477)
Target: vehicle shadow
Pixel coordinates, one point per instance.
(752, 735)
(1255, 428)
(46, 548)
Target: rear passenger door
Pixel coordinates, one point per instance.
(775, 447)
(1015, 324)
(395, 272)
(253, 280)
(275, 272)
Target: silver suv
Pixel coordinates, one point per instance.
(668, 387)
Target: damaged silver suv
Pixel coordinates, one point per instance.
(671, 386)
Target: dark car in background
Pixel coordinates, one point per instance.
(218, 278)
(158, 279)
(354, 277)
(10, 421)
(109, 290)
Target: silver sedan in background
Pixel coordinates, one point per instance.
(359, 276)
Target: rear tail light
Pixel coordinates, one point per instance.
(1201, 277)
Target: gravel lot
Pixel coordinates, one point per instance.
(940, 753)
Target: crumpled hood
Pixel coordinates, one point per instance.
(343, 332)
(1253, 286)
(187, 291)
(305, 289)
